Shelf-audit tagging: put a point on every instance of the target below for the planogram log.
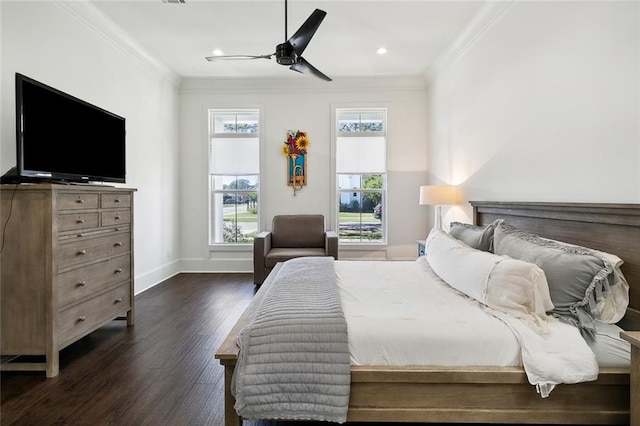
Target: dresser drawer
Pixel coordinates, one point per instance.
(82, 318)
(77, 200)
(114, 201)
(69, 222)
(82, 282)
(87, 250)
(115, 217)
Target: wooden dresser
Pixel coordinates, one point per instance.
(66, 267)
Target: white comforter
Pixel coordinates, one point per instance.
(401, 313)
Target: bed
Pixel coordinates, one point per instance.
(495, 394)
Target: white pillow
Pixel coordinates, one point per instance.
(508, 285)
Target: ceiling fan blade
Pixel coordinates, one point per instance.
(302, 37)
(304, 67)
(237, 57)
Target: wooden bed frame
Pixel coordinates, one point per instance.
(497, 394)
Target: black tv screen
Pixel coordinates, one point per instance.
(63, 138)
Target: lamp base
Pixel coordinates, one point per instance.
(438, 219)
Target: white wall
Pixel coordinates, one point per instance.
(540, 101)
(69, 47)
(303, 104)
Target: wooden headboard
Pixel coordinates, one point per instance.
(613, 228)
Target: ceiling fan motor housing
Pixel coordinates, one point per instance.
(285, 54)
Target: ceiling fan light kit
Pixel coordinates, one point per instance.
(289, 53)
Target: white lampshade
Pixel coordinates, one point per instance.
(435, 195)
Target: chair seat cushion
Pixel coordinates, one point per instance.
(276, 255)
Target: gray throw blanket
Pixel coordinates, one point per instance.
(294, 358)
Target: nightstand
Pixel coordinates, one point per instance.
(633, 337)
(420, 247)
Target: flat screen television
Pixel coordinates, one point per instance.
(61, 138)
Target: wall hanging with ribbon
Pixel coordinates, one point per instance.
(295, 149)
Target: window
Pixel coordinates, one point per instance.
(234, 175)
(361, 168)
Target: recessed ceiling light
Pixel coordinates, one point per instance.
(217, 52)
(381, 50)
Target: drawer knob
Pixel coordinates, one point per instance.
(118, 300)
(81, 252)
(118, 244)
(118, 271)
(117, 200)
(80, 235)
(117, 218)
(81, 284)
(80, 201)
(81, 319)
(80, 221)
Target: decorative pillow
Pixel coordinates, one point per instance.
(576, 275)
(612, 306)
(478, 237)
(612, 300)
(508, 285)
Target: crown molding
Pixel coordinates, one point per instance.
(90, 16)
(478, 25)
(300, 83)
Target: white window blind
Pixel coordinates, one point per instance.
(361, 154)
(235, 156)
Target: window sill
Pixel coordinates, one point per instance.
(362, 246)
(240, 247)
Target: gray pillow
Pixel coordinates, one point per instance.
(478, 237)
(575, 274)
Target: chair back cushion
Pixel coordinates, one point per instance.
(298, 230)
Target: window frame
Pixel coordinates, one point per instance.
(212, 192)
(336, 133)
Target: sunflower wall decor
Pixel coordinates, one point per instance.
(295, 150)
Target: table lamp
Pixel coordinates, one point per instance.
(438, 195)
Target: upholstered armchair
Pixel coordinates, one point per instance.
(291, 236)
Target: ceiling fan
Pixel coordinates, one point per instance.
(290, 52)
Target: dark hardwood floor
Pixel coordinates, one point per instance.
(161, 371)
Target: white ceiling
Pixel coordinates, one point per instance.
(415, 32)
